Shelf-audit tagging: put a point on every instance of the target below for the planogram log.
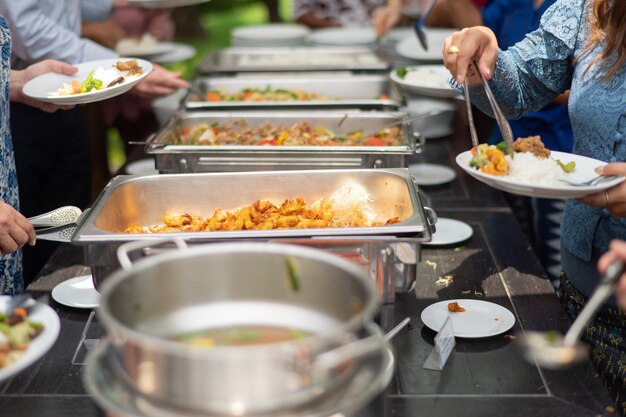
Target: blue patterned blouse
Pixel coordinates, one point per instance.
(10, 265)
(533, 72)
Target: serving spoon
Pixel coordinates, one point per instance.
(551, 350)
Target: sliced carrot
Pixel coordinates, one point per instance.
(374, 141)
(75, 86)
(213, 96)
(20, 312)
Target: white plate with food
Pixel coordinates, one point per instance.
(146, 46)
(450, 232)
(273, 32)
(157, 4)
(479, 318)
(410, 47)
(343, 36)
(77, 292)
(41, 318)
(431, 174)
(424, 80)
(544, 183)
(94, 81)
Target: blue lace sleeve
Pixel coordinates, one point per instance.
(534, 71)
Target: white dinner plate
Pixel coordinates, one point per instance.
(450, 232)
(410, 47)
(140, 51)
(77, 292)
(343, 36)
(142, 167)
(584, 170)
(41, 344)
(45, 87)
(277, 32)
(480, 318)
(157, 4)
(432, 174)
(425, 80)
(179, 52)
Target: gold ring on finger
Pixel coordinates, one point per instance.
(453, 49)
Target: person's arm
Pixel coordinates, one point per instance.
(528, 75)
(36, 37)
(454, 13)
(95, 10)
(386, 17)
(105, 33)
(616, 253)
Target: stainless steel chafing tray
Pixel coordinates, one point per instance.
(390, 252)
(245, 60)
(353, 92)
(201, 158)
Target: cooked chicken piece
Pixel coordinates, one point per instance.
(531, 144)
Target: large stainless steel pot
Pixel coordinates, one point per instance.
(223, 285)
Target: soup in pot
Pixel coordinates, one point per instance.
(241, 336)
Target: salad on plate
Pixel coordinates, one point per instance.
(102, 78)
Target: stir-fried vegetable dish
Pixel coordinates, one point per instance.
(298, 134)
(266, 94)
(16, 333)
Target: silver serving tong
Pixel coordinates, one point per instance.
(62, 233)
(503, 124)
(57, 217)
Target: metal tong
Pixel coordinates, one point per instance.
(503, 124)
(421, 22)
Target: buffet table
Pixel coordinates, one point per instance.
(484, 377)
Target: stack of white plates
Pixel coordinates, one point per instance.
(270, 35)
(432, 117)
(411, 49)
(345, 36)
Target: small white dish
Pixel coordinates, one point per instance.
(130, 48)
(425, 80)
(480, 318)
(584, 170)
(45, 87)
(450, 232)
(179, 52)
(142, 167)
(432, 174)
(41, 344)
(343, 36)
(77, 292)
(410, 47)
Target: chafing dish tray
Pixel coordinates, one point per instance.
(390, 251)
(202, 158)
(354, 92)
(244, 60)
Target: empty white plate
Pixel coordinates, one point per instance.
(410, 47)
(480, 318)
(450, 232)
(432, 174)
(77, 292)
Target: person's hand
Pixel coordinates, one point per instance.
(105, 33)
(20, 78)
(384, 18)
(617, 252)
(613, 199)
(15, 230)
(160, 82)
(118, 4)
(462, 47)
